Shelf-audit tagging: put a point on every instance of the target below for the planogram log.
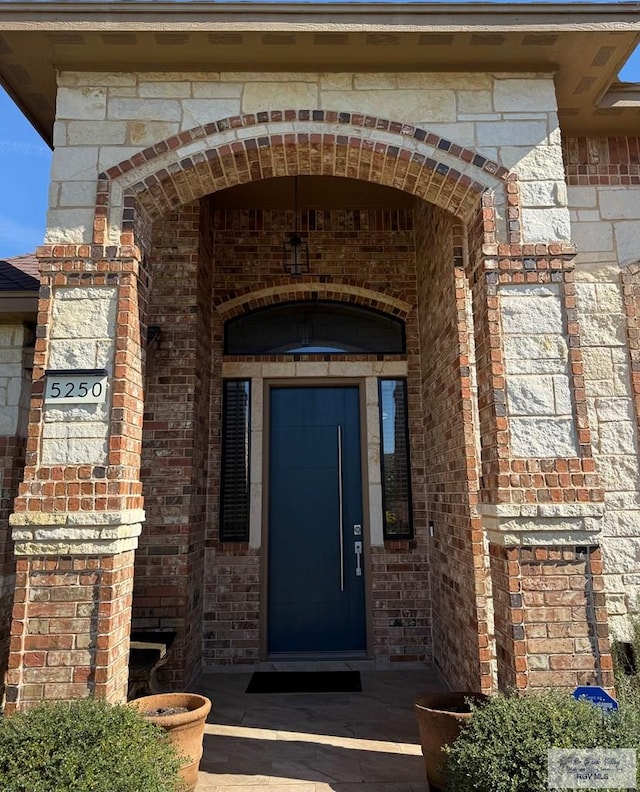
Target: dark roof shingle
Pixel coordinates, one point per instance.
(19, 274)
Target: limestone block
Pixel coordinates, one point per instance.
(86, 429)
(88, 102)
(620, 409)
(428, 107)
(535, 348)
(144, 133)
(475, 102)
(623, 555)
(587, 297)
(543, 193)
(603, 330)
(59, 134)
(582, 196)
(542, 437)
(76, 353)
(609, 297)
(618, 473)
(8, 421)
(82, 133)
(75, 451)
(627, 235)
(530, 396)
(77, 412)
(217, 90)
(620, 203)
(112, 155)
(616, 438)
(77, 193)
(598, 364)
(530, 309)
(622, 524)
(203, 111)
(460, 132)
(593, 236)
(546, 225)
(7, 335)
(75, 164)
(11, 360)
(144, 109)
(83, 313)
(455, 81)
(14, 391)
(542, 162)
(336, 82)
(87, 78)
(562, 395)
(513, 95)
(67, 226)
(265, 95)
(366, 82)
(164, 90)
(511, 133)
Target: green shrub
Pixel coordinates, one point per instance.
(85, 746)
(504, 747)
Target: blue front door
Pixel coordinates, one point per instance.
(316, 577)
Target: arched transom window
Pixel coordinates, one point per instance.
(317, 326)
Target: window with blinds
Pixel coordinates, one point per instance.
(236, 435)
(396, 470)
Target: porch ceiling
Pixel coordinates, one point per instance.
(584, 44)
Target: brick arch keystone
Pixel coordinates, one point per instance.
(225, 153)
(307, 288)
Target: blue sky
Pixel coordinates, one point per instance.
(25, 162)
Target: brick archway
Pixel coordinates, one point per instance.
(251, 299)
(228, 152)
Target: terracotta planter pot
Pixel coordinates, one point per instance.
(185, 729)
(440, 718)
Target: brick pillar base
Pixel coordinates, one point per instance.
(70, 631)
(550, 617)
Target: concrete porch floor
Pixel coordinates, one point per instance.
(316, 742)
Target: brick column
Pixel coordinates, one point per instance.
(550, 617)
(541, 500)
(79, 512)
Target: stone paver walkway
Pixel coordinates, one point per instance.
(346, 742)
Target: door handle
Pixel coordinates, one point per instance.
(357, 546)
(340, 509)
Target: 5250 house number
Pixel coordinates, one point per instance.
(76, 386)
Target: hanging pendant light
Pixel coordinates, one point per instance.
(295, 248)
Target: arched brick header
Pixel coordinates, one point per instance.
(308, 288)
(225, 153)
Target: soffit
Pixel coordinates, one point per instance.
(583, 44)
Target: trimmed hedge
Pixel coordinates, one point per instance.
(85, 746)
(504, 746)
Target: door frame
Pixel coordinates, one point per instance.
(314, 382)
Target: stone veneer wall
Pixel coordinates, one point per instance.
(103, 119)
(461, 641)
(603, 176)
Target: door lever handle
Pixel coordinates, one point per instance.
(357, 546)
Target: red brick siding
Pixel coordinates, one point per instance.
(460, 631)
(550, 617)
(70, 630)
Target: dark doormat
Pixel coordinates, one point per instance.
(305, 682)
